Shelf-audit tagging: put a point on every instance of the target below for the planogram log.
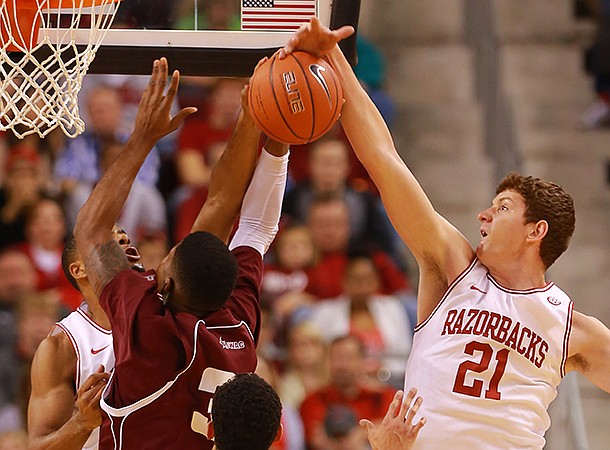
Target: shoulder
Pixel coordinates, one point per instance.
(55, 358)
(585, 332)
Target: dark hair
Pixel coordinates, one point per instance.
(246, 413)
(68, 256)
(205, 270)
(545, 200)
(347, 338)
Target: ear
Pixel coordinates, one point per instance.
(280, 433)
(538, 230)
(77, 270)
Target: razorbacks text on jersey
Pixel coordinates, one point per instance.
(487, 363)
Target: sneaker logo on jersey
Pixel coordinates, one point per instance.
(474, 288)
(232, 345)
(554, 301)
(95, 352)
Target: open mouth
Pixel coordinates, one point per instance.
(132, 254)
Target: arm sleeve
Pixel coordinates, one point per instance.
(260, 212)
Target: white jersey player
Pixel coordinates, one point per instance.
(489, 390)
(93, 347)
(68, 368)
(483, 347)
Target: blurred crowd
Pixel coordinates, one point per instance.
(338, 303)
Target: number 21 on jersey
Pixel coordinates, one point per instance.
(481, 367)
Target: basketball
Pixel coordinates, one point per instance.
(295, 100)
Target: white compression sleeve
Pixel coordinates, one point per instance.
(262, 205)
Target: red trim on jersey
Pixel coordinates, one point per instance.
(548, 286)
(92, 323)
(75, 347)
(449, 289)
(566, 339)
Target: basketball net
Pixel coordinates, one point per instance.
(42, 67)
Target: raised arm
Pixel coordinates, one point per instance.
(441, 251)
(103, 257)
(262, 205)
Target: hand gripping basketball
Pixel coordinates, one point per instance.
(295, 100)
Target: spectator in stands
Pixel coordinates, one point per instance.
(342, 430)
(211, 15)
(306, 366)
(347, 387)
(328, 176)
(45, 232)
(286, 277)
(144, 213)
(597, 63)
(192, 198)
(23, 186)
(199, 141)
(79, 162)
(36, 315)
(380, 321)
(329, 224)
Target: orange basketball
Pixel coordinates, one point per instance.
(295, 100)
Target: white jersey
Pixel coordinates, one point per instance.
(487, 363)
(93, 347)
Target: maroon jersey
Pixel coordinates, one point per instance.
(169, 365)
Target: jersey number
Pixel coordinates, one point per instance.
(481, 366)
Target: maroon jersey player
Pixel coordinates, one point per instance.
(187, 327)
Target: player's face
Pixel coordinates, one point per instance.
(164, 272)
(503, 229)
(121, 237)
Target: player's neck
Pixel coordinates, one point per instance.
(519, 279)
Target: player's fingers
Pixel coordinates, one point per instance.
(343, 32)
(288, 48)
(367, 425)
(408, 399)
(418, 426)
(394, 407)
(261, 62)
(173, 88)
(177, 120)
(93, 379)
(413, 410)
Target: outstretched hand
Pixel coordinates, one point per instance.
(154, 119)
(396, 431)
(315, 38)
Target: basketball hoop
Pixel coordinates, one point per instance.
(42, 67)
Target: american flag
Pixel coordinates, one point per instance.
(276, 15)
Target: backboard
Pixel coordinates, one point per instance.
(209, 37)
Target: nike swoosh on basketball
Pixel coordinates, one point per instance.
(95, 352)
(474, 288)
(317, 70)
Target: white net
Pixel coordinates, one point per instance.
(42, 67)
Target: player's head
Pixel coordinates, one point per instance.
(548, 210)
(246, 414)
(199, 274)
(74, 267)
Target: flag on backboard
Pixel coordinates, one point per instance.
(276, 15)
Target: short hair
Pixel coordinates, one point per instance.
(68, 256)
(205, 270)
(545, 200)
(347, 338)
(246, 413)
